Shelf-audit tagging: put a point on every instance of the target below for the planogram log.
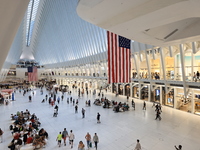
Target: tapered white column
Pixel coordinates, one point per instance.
(182, 55)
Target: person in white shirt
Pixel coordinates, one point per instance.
(71, 138)
(138, 146)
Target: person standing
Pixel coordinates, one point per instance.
(88, 139)
(144, 105)
(46, 97)
(133, 104)
(62, 97)
(71, 138)
(59, 139)
(138, 146)
(76, 109)
(98, 118)
(96, 140)
(89, 102)
(29, 98)
(197, 75)
(1, 136)
(127, 98)
(58, 99)
(179, 147)
(83, 113)
(64, 135)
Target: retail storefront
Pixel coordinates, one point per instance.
(127, 90)
(135, 91)
(169, 98)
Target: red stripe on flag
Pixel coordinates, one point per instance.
(109, 68)
(116, 60)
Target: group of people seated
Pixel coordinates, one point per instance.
(107, 103)
(120, 107)
(97, 102)
(25, 131)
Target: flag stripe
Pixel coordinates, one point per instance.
(108, 36)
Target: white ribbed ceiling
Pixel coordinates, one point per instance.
(61, 35)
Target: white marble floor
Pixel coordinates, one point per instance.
(117, 131)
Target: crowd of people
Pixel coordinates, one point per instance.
(25, 130)
(25, 127)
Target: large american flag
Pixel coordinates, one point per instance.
(32, 74)
(119, 61)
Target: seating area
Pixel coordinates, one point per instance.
(26, 133)
(121, 107)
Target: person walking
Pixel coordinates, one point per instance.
(144, 105)
(197, 75)
(71, 138)
(64, 135)
(76, 109)
(81, 146)
(96, 140)
(133, 104)
(59, 139)
(88, 139)
(158, 115)
(179, 147)
(58, 99)
(1, 136)
(62, 97)
(138, 146)
(127, 98)
(83, 113)
(30, 98)
(98, 118)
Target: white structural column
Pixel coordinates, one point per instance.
(171, 54)
(136, 64)
(161, 94)
(148, 65)
(194, 47)
(162, 58)
(175, 65)
(192, 66)
(149, 93)
(182, 54)
(123, 88)
(139, 86)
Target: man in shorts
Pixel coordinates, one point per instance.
(59, 138)
(64, 135)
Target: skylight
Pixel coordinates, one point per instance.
(31, 14)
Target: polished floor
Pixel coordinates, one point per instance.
(117, 131)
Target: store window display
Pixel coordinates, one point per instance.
(169, 100)
(197, 102)
(144, 93)
(135, 92)
(183, 103)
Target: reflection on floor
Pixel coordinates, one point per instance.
(117, 131)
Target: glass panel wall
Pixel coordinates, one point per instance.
(178, 72)
(169, 62)
(188, 67)
(155, 69)
(143, 70)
